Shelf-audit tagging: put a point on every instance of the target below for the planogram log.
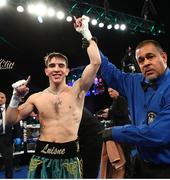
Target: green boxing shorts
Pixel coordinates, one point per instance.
(56, 160)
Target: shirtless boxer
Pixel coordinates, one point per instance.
(60, 109)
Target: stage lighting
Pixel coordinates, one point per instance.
(69, 19)
(31, 8)
(20, 9)
(60, 15)
(109, 26)
(40, 9)
(101, 25)
(116, 26)
(51, 12)
(40, 19)
(94, 22)
(122, 27)
(98, 13)
(3, 3)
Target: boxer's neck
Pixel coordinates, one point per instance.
(56, 91)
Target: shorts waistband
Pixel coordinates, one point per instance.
(57, 150)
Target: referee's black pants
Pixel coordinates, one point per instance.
(144, 169)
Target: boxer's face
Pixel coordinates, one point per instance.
(57, 69)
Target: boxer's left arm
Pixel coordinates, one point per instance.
(89, 73)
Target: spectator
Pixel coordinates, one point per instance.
(6, 139)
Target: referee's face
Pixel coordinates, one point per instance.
(151, 61)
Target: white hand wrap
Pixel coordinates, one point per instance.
(18, 83)
(84, 29)
(15, 100)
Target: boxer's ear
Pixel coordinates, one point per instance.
(46, 71)
(68, 70)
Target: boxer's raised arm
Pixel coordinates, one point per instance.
(15, 113)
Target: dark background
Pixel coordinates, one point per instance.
(25, 41)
